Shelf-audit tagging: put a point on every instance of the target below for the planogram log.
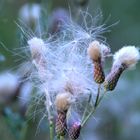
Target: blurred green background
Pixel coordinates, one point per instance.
(118, 117)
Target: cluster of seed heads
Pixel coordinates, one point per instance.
(125, 58)
(69, 67)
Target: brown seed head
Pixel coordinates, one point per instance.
(94, 51)
(63, 101)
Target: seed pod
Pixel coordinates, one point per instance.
(63, 101)
(60, 125)
(99, 75)
(95, 53)
(125, 58)
(74, 131)
(113, 77)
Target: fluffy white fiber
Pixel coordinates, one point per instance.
(128, 55)
(37, 46)
(68, 67)
(97, 50)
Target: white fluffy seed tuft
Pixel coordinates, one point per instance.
(37, 46)
(94, 50)
(97, 50)
(63, 101)
(128, 55)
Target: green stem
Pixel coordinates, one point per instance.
(61, 137)
(57, 137)
(86, 108)
(24, 131)
(97, 97)
(87, 118)
(51, 129)
(98, 100)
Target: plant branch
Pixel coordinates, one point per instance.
(51, 128)
(85, 111)
(98, 100)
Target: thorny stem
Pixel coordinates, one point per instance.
(98, 100)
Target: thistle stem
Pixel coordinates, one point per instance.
(87, 118)
(51, 129)
(61, 137)
(58, 137)
(98, 100)
(97, 97)
(85, 111)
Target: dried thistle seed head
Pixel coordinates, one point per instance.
(60, 125)
(113, 77)
(94, 51)
(74, 131)
(63, 101)
(99, 75)
(128, 55)
(97, 52)
(37, 46)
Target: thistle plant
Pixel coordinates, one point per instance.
(69, 72)
(125, 58)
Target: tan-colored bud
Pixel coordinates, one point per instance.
(63, 101)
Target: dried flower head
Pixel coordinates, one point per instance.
(37, 46)
(61, 125)
(94, 51)
(125, 58)
(74, 131)
(128, 55)
(97, 52)
(38, 51)
(63, 101)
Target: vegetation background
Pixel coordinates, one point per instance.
(118, 117)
